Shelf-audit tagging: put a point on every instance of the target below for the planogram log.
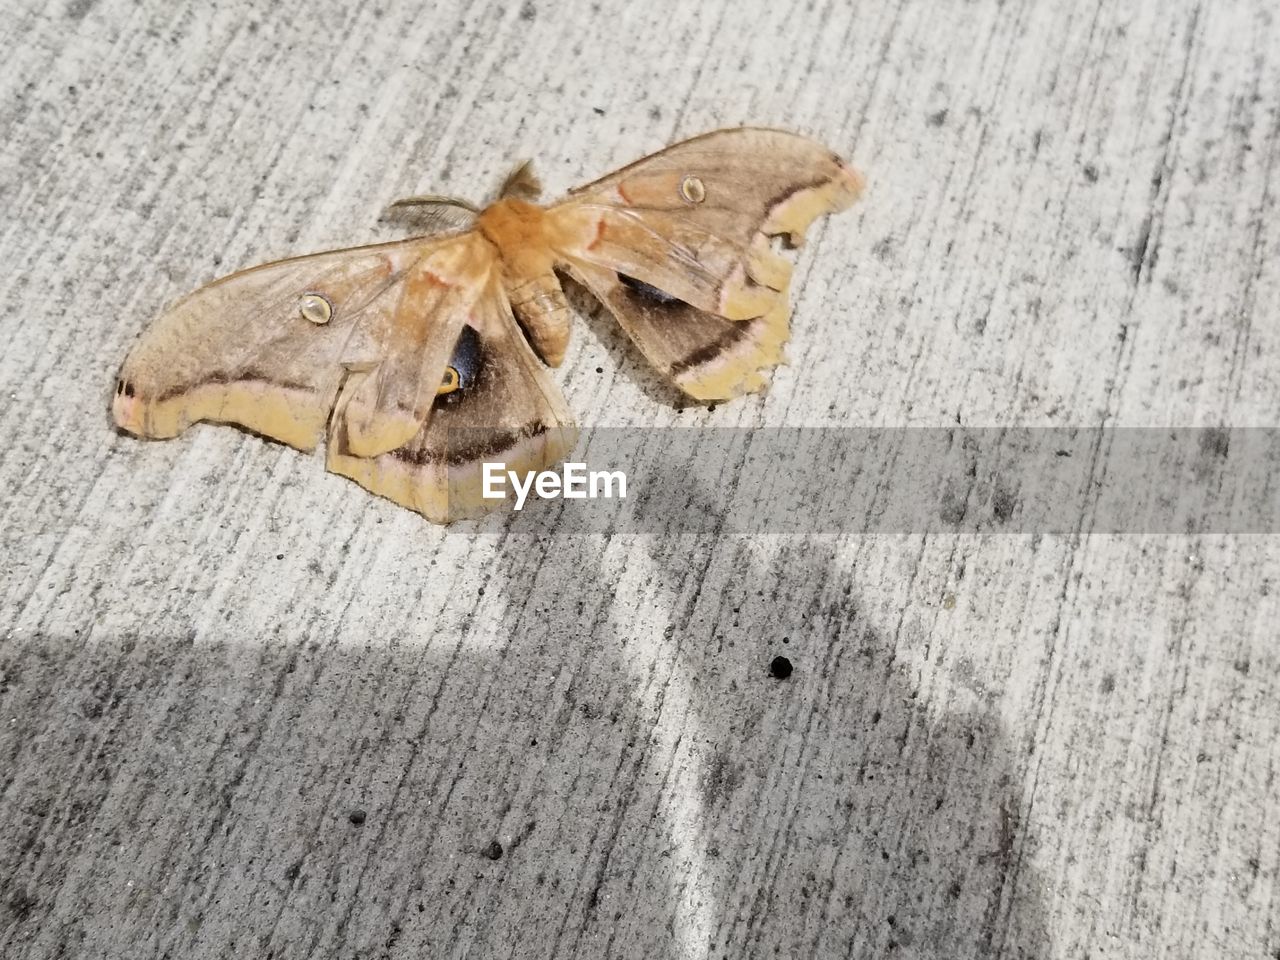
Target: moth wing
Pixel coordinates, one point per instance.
(387, 405)
(677, 246)
(270, 348)
(505, 410)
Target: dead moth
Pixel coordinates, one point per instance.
(417, 361)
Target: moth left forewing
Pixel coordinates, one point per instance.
(694, 223)
(662, 249)
(508, 411)
(707, 313)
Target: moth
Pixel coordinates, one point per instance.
(416, 361)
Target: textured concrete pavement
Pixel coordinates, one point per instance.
(247, 709)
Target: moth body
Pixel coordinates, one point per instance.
(525, 240)
(416, 362)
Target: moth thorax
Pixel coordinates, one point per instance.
(515, 227)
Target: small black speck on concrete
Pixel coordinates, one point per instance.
(357, 817)
(780, 668)
(492, 850)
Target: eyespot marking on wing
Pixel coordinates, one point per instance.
(464, 365)
(692, 189)
(450, 382)
(316, 308)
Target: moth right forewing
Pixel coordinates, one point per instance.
(265, 348)
(436, 298)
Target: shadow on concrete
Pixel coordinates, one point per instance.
(574, 776)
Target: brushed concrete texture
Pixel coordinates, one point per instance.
(248, 710)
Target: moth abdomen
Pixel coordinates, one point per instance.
(540, 306)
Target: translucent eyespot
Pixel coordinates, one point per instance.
(450, 382)
(692, 189)
(316, 308)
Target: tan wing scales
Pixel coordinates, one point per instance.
(407, 357)
(677, 246)
(268, 348)
(506, 410)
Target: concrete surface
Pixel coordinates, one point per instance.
(249, 710)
